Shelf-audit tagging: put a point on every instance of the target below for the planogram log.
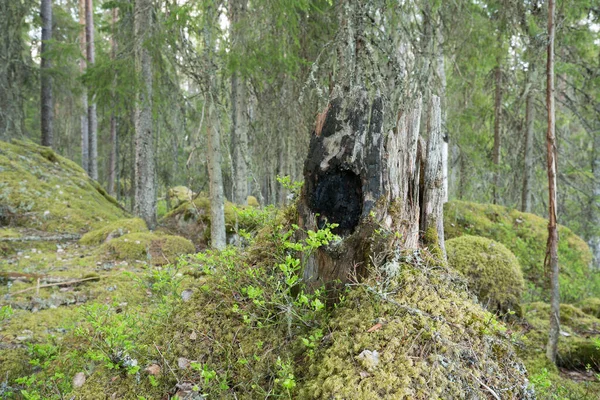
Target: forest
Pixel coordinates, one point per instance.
(299, 199)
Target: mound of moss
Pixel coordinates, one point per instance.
(155, 248)
(590, 306)
(42, 190)
(192, 220)
(492, 271)
(113, 230)
(526, 235)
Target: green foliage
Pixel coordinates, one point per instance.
(525, 235)
(492, 271)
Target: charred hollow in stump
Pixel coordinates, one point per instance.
(337, 199)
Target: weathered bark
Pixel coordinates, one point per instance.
(85, 141)
(497, 132)
(239, 132)
(529, 130)
(552, 249)
(594, 203)
(432, 223)
(218, 238)
(47, 114)
(92, 118)
(112, 158)
(145, 179)
(362, 180)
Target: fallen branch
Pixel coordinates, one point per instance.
(37, 287)
(53, 238)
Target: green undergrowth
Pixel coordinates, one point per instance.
(493, 273)
(192, 220)
(42, 190)
(154, 248)
(251, 330)
(113, 230)
(525, 235)
(578, 352)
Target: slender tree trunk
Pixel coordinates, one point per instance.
(497, 132)
(594, 238)
(92, 119)
(552, 250)
(112, 159)
(529, 128)
(47, 114)
(441, 72)
(85, 141)
(145, 174)
(218, 238)
(239, 133)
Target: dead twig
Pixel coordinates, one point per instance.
(38, 286)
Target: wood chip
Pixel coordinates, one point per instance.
(78, 380)
(153, 369)
(375, 327)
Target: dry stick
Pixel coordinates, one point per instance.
(489, 389)
(55, 284)
(41, 238)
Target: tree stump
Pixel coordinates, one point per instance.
(366, 171)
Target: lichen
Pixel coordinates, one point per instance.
(154, 248)
(525, 235)
(113, 230)
(492, 271)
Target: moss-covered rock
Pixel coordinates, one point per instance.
(253, 202)
(590, 306)
(42, 190)
(113, 230)
(192, 220)
(525, 235)
(492, 271)
(178, 195)
(155, 248)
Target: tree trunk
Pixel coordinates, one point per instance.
(594, 239)
(145, 186)
(47, 114)
(239, 133)
(112, 159)
(497, 132)
(529, 127)
(92, 119)
(217, 201)
(552, 250)
(85, 141)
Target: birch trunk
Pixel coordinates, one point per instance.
(92, 118)
(217, 201)
(47, 112)
(145, 180)
(552, 250)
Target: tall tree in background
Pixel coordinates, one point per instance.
(239, 118)
(496, 154)
(552, 249)
(112, 158)
(92, 117)
(145, 175)
(529, 130)
(85, 141)
(47, 114)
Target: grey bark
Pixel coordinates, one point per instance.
(145, 175)
(239, 133)
(594, 240)
(529, 135)
(112, 159)
(217, 208)
(497, 131)
(47, 114)
(433, 178)
(92, 118)
(85, 141)
(552, 249)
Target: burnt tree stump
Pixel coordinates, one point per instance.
(366, 171)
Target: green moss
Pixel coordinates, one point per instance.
(45, 191)
(591, 306)
(253, 202)
(492, 271)
(146, 246)
(178, 195)
(525, 235)
(113, 230)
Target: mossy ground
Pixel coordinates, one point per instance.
(525, 235)
(113, 230)
(42, 190)
(493, 272)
